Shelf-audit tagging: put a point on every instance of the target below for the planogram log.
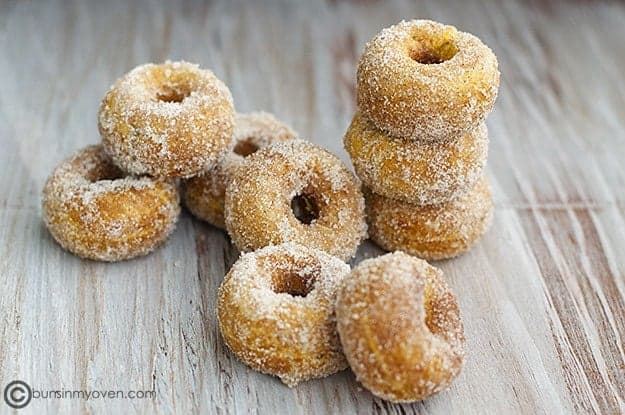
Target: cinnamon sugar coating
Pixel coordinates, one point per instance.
(204, 195)
(424, 80)
(260, 196)
(433, 231)
(168, 120)
(276, 312)
(417, 172)
(94, 211)
(400, 327)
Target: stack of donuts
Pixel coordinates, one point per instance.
(274, 188)
(419, 141)
(119, 199)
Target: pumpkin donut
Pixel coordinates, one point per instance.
(400, 327)
(424, 80)
(298, 192)
(204, 195)
(276, 312)
(94, 211)
(167, 120)
(434, 231)
(417, 172)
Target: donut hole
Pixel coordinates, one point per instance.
(107, 171)
(245, 147)
(172, 94)
(432, 49)
(296, 284)
(305, 208)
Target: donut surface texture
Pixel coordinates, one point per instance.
(417, 172)
(276, 311)
(295, 192)
(434, 231)
(204, 195)
(400, 327)
(427, 81)
(168, 120)
(94, 211)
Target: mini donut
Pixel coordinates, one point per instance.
(204, 195)
(433, 231)
(298, 192)
(94, 211)
(400, 327)
(167, 120)
(424, 80)
(276, 312)
(415, 171)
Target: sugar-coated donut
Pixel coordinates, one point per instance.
(433, 231)
(204, 195)
(418, 172)
(167, 120)
(295, 192)
(276, 312)
(400, 327)
(424, 80)
(95, 212)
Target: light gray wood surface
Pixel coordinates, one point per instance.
(542, 294)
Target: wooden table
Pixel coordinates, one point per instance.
(542, 294)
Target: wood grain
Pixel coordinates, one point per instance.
(542, 294)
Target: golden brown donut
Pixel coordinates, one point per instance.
(434, 231)
(204, 195)
(167, 120)
(298, 192)
(424, 80)
(418, 172)
(94, 211)
(276, 312)
(400, 327)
